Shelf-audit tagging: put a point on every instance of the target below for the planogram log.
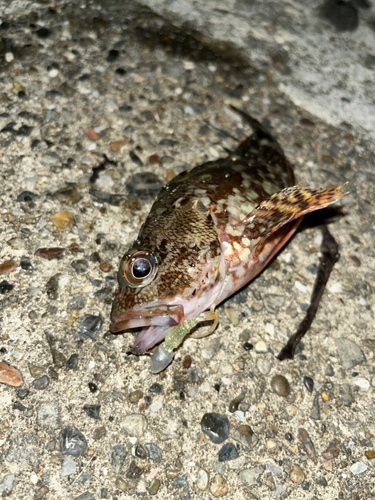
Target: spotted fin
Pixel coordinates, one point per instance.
(281, 208)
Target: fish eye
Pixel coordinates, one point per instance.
(138, 269)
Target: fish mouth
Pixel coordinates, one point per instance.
(159, 316)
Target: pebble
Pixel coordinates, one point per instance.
(349, 352)
(216, 427)
(50, 253)
(154, 486)
(263, 366)
(234, 404)
(92, 411)
(187, 361)
(273, 302)
(80, 265)
(85, 496)
(59, 360)
(297, 475)
(134, 471)
(134, 424)
(68, 194)
(280, 385)
(69, 467)
(250, 476)
(48, 415)
(72, 363)
(362, 383)
(5, 287)
(308, 382)
(202, 479)
(52, 287)
(144, 185)
(156, 406)
(156, 388)
(141, 452)
(72, 441)
(245, 435)
(321, 481)
(121, 484)
(218, 486)
(261, 347)
(6, 485)
(332, 451)
(41, 383)
(273, 469)
(345, 394)
(26, 265)
(370, 454)
(117, 457)
(358, 468)
(93, 387)
(228, 452)
(154, 452)
(7, 266)
(99, 432)
(329, 371)
(135, 396)
(10, 375)
(315, 411)
(306, 443)
(90, 325)
(61, 220)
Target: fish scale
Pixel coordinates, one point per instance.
(209, 232)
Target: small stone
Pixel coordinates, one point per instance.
(7, 266)
(80, 265)
(362, 383)
(26, 264)
(91, 134)
(134, 471)
(280, 385)
(5, 287)
(218, 486)
(99, 432)
(273, 303)
(202, 479)
(141, 452)
(345, 394)
(10, 375)
(250, 476)
(308, 382)
(50, 253)
(273, 469)
(154, 486)
(315, 411)
(263, 366)
(297, 475)
(90, 326)
(105, 267)
(72, 441)
(329, 371)
(93, 387)
(41, 383)
(6, 485)
(156, 388)
(26, 197)
(358, 468)
(48, 415)
(62, 220)
(135, 424)
(59, 360)
(261, 347)
(216, 427)
(52, 287)
(117, 457)
(121, 484)
(234, 404)
(92, 411)
(349, 352)
(41, 493)
(68, 194)
(85, 496)
(332, 451)
(228, 452)
(72, 363)
(245, 435)
(187, 361)
(307, 444)
(172, 473)
(135, 396)
(69, 467)
(154, 452)
(370, 454)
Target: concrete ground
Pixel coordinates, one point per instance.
(148, 85)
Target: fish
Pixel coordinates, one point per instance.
(210, 231)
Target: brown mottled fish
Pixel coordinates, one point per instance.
(209, 232)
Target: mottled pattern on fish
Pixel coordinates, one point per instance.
(211, 230)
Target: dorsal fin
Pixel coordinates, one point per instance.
(281, 208)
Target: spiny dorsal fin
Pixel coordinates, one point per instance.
(283, 207)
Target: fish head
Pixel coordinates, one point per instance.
(172, 272)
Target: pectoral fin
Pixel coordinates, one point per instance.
(281, 208)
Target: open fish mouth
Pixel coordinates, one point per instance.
(159, 316)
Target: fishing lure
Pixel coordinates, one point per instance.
(211, 230)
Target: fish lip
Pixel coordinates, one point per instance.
(161, 315)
